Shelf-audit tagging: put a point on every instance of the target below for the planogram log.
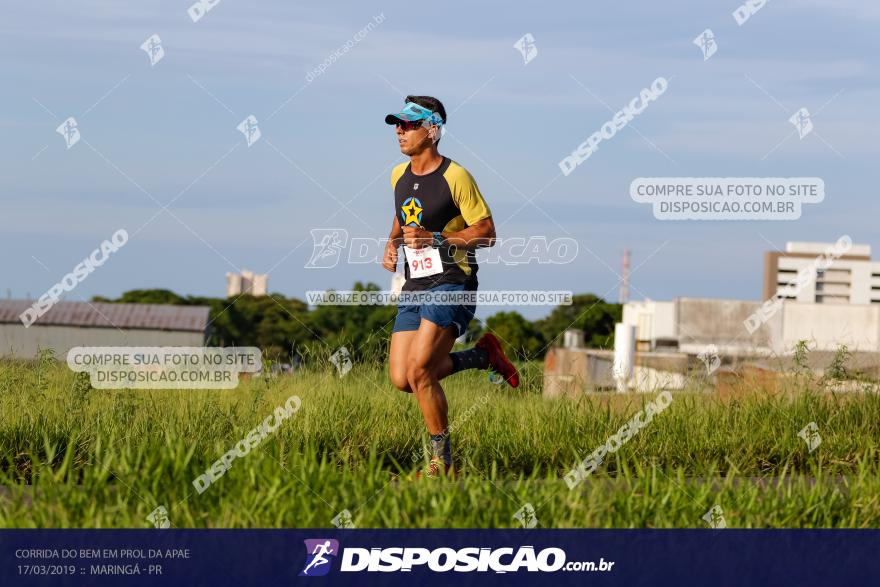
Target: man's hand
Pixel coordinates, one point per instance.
(389, 260)
(417, 238)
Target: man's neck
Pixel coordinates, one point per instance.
(425, 162)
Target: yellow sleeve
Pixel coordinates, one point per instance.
(466, 194)
(396, 173)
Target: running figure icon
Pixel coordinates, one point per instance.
(319, 552)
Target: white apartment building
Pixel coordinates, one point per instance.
(850, 279)
(246, 283)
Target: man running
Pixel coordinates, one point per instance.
(440, 217)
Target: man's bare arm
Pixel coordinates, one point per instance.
(389, 258)
(478, 235)
(396, 236)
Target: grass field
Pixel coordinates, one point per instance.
(73, 456)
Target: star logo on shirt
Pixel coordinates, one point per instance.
(411, 211)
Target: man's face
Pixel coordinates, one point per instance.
(412, 141)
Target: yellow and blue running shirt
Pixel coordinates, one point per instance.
(445, 200)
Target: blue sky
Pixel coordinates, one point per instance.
(169, 131)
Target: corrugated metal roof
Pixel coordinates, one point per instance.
(101, 315)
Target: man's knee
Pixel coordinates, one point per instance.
(397, 374)
(400, 381)
(419, 376)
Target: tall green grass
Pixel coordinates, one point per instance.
(73, 456)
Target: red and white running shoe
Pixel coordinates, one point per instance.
(498, 361)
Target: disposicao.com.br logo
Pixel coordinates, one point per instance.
(318, 551)
(441, 560)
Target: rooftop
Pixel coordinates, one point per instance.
(103, 315)
(817, 248)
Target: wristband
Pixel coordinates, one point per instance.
(438, 241)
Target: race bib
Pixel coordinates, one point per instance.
(423, 262)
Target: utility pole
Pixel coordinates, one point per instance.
(624, 278)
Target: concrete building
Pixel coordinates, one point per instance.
(850, 279)
(687, 340)
(689, 325)
(71, 324)
(827, 294)
(246, 283)
(838, 304)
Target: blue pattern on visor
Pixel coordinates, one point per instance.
(413, 111)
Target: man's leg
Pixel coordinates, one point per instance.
(486, 353)
(444, 367)
(472, 358)
(398, 357)
(431, 346)
(429, 349)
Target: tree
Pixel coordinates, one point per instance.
(283, 326)
(587, 312)
(151, 296)
(363, 330)
(518, 336)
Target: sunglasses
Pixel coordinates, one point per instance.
(408, 125)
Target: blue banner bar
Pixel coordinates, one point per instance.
(438, 557)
